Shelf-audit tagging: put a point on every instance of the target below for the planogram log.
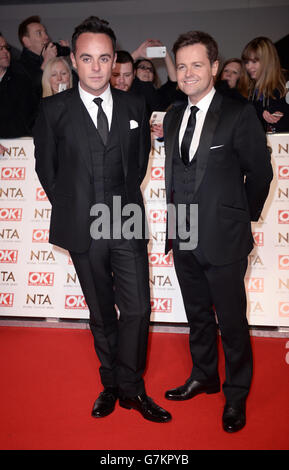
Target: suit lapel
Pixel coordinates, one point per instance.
(76, 109)
(208, 131)
(122, 121)
(172, 134)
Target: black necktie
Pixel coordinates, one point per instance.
(188, 135)
(102, 122)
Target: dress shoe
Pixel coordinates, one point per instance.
(192, 388)
(234, 416)
(105, 403)
(147, 408)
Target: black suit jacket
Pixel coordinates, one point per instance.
(64, 165)
(233, 175)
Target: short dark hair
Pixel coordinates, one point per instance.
(23, 27)
(124, 57)
(93, 24)
(198, 37)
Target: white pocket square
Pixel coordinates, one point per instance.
(133, 124)
(216, 147)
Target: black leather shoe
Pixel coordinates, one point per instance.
(234, 416)
(105, 403)
(192, 388)
(147, 408)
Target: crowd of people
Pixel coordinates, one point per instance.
(44, 68)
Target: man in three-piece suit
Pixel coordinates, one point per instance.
(91, 146)
(216, 159)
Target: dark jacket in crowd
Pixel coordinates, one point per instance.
(17, 104)
(223, 88)
(31, 64)
(157, 99)
(272, 105)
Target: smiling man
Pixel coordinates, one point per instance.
(91, 146)
(217, 159)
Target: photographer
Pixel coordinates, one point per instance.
(37, 50)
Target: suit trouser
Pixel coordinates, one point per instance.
(112, 273)
(209, 291)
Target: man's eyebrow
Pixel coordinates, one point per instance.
(86, 54)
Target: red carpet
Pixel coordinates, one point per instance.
(49, 381)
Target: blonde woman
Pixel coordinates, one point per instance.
(56, 76)
(263, 83)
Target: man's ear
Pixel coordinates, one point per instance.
(215, 67)
(26, 41)
(114, 60)
(72, 58)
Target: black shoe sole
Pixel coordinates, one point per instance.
(130, 407)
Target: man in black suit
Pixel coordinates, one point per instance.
(91, 146)
(17, 98)
(217, 160)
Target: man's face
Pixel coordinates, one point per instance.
(36, 39)
(4, 55)
(94, 60)
(195, 73)
(122, 76)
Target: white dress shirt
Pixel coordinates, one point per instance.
(203, 106)
(92, 108)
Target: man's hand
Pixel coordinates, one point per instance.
(48, 53)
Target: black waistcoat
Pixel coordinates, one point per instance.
(184, 176)
(183, 192)
(106, 161)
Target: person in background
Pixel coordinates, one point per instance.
(123, 74)
(145, 73)
(231, 72)
(37, 50)
(262, 82)
(227, 80)
(56, 76)
(17, 99)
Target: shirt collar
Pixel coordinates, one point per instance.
(88, 98)
(205, 102)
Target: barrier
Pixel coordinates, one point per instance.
(39, 280)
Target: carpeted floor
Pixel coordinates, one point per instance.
(49, 381)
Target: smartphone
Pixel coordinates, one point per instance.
(62, 87)
(157, 117)
(157, 51)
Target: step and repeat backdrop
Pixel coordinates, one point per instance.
(39, 280)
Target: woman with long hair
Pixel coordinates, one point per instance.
(263, 83)
(57, 76)
(231, 71)
(228, 78)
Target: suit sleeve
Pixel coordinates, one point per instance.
(45, 152)
(255, 160)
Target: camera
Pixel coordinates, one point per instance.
(62, 50)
